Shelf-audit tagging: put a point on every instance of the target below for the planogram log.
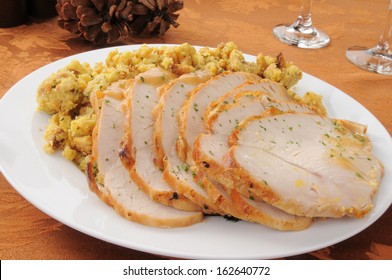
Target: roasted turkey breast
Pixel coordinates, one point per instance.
(211, 149)
(191, 115)
(329, 170)
(142, 99)
(166, 128)
(276, 91)
(169, 149)
(118, 190)
(166, 132)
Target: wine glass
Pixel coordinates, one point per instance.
(379, 58)
(302, 33)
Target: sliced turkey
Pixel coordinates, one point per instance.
(178, 174)
(212, 148)
(276, 91)
(329, 170)
(191, 115)
(108, 110)
(226, 116)
(118, 190)
(133, 204)
(110, 128)
(143, 98)
(172, 97)
(210, 151)
(266, 214)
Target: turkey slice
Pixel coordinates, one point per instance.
(210, 151)
(176, 173)
(191, 115)
(329, 170)
(172, 97)
(143, 98)
(276, 90)
(116, 91)
(118, 190)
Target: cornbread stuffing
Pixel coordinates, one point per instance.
(66, 94)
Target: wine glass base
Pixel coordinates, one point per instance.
(370, 59)
(308, 39)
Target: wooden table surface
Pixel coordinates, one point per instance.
(27, 233)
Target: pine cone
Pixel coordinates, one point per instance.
(105, 21)
(155, 16)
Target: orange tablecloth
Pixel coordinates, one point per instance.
(27, 233)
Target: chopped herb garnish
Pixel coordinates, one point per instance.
(359, 175)
(185, 167)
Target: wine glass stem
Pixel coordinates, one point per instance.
(303, 23)
(383, 43)
(305, 14)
